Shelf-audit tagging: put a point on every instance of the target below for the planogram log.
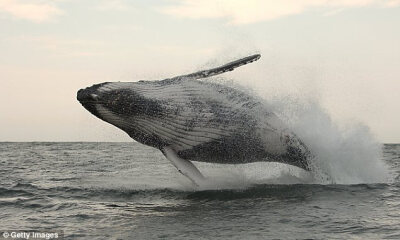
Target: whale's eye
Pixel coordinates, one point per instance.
(94, 96)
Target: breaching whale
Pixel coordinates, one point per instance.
(193, 120)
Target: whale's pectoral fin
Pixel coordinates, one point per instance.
(224, 68)
(184, 166)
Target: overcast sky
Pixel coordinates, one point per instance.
(343, 53)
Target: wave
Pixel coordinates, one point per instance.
(60, 197)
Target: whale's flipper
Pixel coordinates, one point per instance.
(224, 68)
(184, 166)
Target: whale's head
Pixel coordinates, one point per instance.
(118, 103)
(90, 98)
(103, 102)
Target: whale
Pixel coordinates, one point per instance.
(191, 119)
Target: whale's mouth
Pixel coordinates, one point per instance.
(87, 96)
(89, 99)
(91, 94)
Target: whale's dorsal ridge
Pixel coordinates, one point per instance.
(221, 69)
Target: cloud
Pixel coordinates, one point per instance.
(250, 11)
(64, 47)
(392, 3)
(112, 5)
(37, 11)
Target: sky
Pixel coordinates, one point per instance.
(345, 54)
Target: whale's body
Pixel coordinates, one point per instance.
(192, 120)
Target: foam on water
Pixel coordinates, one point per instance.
(218, 177)
(247, 175)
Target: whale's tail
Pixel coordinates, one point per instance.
(224, 68)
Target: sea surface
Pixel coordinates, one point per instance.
(130, 191)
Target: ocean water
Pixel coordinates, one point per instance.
(130, 191)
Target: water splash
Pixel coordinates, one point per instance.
(347, 155)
